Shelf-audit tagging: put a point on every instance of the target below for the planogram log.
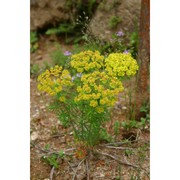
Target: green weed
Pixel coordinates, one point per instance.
(34, 70)
(117, 126)
(52, 160)
(128, 152)
(58, 57)
(105, 136)
(114, 21)
(128, 125)
(47, 146)
(33, 41)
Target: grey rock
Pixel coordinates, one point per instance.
(34, 136)
(45, 12)
(127, 10)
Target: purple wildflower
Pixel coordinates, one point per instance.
(73, 78)
(126, 52)
(77, 75)
(67, 53)
(120, 33)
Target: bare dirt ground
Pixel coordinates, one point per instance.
(48, 135)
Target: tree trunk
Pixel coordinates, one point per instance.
(142, 92)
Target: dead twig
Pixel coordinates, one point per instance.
(116, 158)
(51, 173)
(64, 152)
(118, 143)
(49, 152)
(52, 136)
(124, 163)
(87, 170)
(71, 166)
(77, 168)
(38, 147)
(70, 149)
(123, 148)
(115, 143)
(55, 136)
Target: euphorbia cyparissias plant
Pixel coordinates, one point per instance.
(84, 93)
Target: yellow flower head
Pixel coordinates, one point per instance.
(62, 99)
(87, 60)
(99, 89)
(53, 81)
(93, 103)
(99, 109)
(120, 64)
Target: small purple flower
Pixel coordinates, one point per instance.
(120, 33)
(126, 52)
(79, 75)
(67, 53)
(73, 78)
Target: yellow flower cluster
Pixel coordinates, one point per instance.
(54, 80)
(99, 82)
(120, 64)
(99, 89)
(87, 60)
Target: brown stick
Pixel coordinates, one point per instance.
(118, 143)
(52, 172)
(51, 152)
(123, 148)
(77, 168)
(87, 170)
(113, 157)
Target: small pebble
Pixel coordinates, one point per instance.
(38, 57)
(124, 107)
(34, 136)
(43, 107)
(38, 94)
